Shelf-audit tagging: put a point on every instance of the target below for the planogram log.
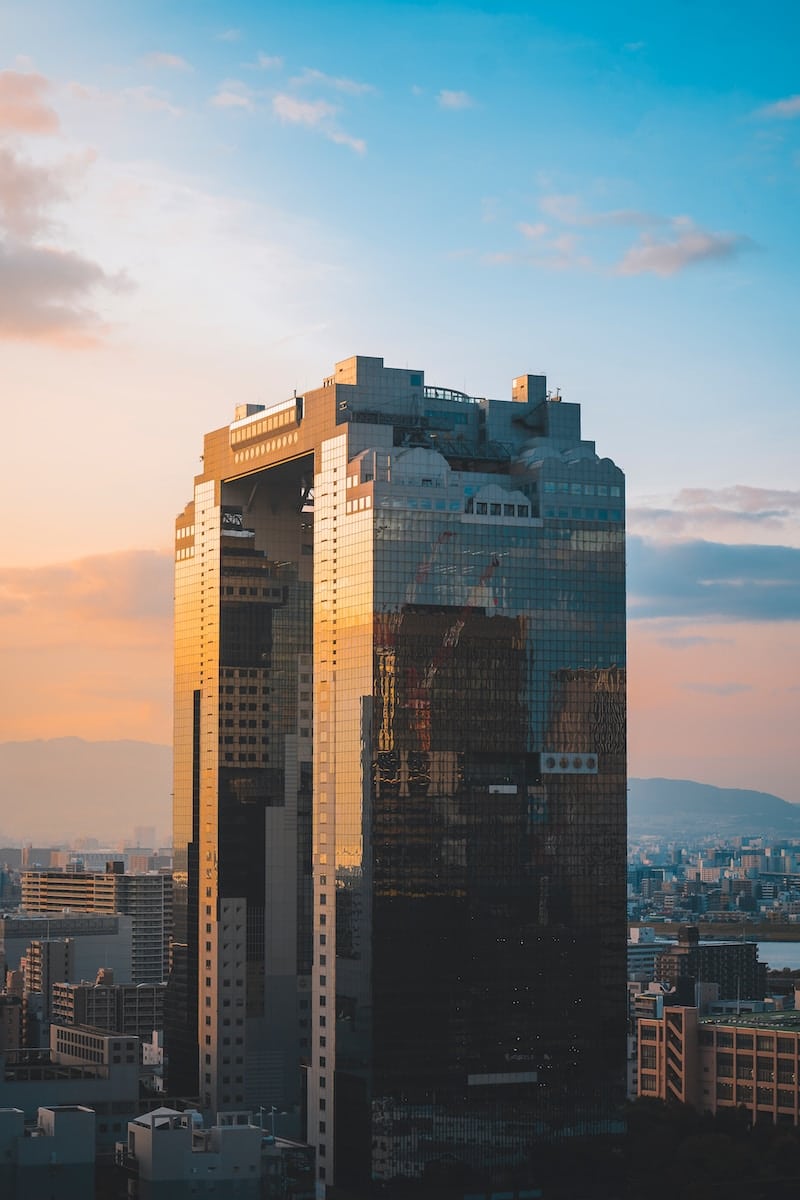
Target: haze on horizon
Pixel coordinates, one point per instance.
(209, 207)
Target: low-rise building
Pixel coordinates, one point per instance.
(53, 1156)
(171, 1156)
(83, 1067)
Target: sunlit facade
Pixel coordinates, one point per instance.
(434, 604)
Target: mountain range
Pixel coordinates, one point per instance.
(55, 790)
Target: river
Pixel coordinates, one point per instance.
(779, 955)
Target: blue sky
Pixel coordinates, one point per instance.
(207, 204)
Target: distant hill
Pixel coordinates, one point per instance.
(56, 790)
(673, 807)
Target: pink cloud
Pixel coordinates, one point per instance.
(22, 107)
(87, 647)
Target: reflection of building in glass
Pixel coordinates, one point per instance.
(454, 569)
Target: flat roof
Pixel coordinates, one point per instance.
(789, 1021)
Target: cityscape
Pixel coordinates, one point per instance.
(397, 786)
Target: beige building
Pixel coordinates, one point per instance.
(722, 1062)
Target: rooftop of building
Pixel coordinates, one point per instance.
(778, 1022)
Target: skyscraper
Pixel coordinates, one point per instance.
(421, 593)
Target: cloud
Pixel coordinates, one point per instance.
(784, 109)
(729, 511)
(302, 112)
(454, 100)
(685, 244)
(340, 84)
(22, 108)
(172, 62)
(634, 47)
(266, 62)
(687, 248)
(134, 585)
(86, 646)
(533, 231)
(27, 192)
(562, 252)
(717, 689)
(315, 114)
(45, 293)
(234, 94)
(570, 211)
(345, 139)
(712, 581)
(229, 35)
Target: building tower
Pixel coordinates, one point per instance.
(439, 579)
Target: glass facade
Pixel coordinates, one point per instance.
(460, 592)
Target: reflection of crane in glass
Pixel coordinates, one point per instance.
(419, 683)
(424, 568)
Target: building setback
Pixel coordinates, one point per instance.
(414, 599)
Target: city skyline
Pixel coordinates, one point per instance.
(207, 209)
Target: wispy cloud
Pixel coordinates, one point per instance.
(234, 94)
(171, 62)
(144, 98)
(454, 100)
(22, 105)
(351, 87)
(784, 109)
(569, 209)
(229, 35)
(302, 112)
(315, 114)
(728, 513)
(266, 62)
(686, 247)
(533, 231)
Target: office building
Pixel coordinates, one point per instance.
(130, 1008)
(418, 596)
(146, 899)
(97, 940)
(732, 965)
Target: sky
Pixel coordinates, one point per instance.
(204, 205)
